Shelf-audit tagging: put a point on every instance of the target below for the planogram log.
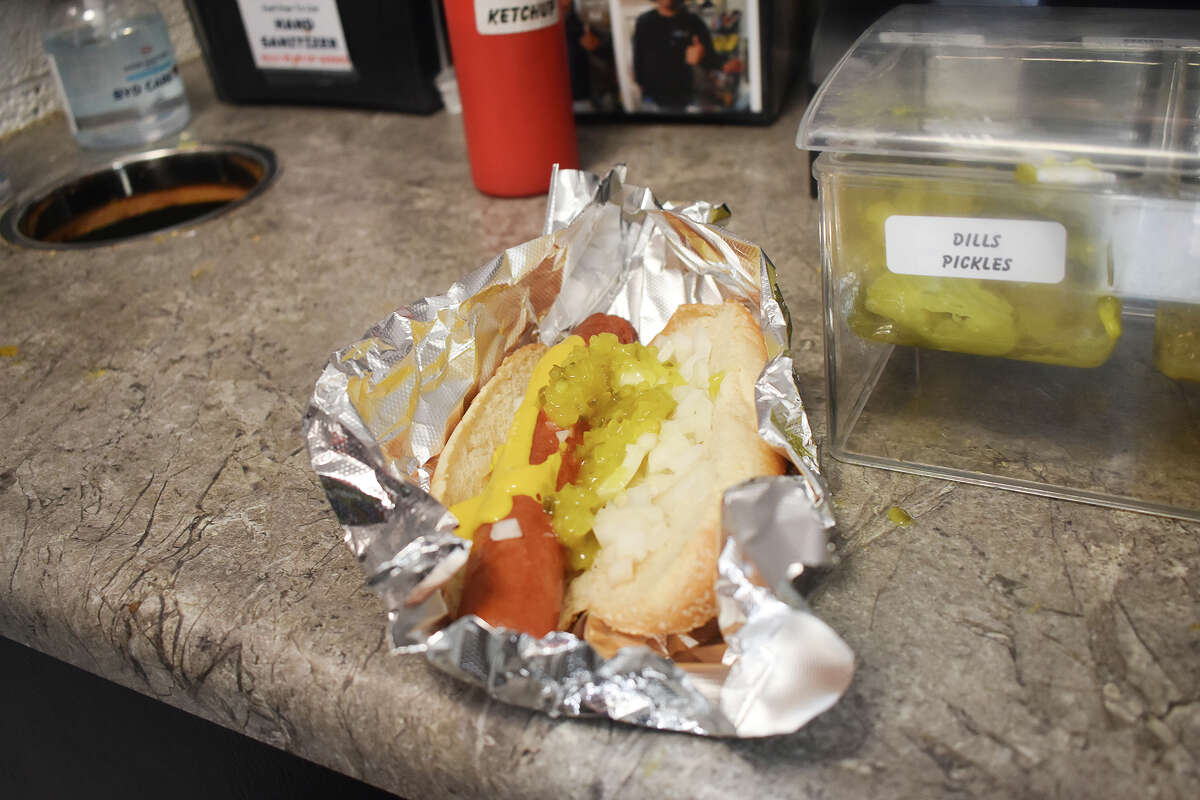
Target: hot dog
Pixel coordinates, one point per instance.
(625, 450)
(516, 581)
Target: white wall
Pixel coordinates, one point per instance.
(26, 89)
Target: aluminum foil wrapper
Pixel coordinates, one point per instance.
(384, 406)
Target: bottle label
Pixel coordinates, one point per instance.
(114, 79)
(1155, 248)
(1022, 250)
(1138, 44)
(499, 17)
(932, 39)
(70, 103)
(303, 35)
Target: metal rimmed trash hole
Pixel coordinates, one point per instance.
(140, 195)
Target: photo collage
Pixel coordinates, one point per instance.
(664, 57)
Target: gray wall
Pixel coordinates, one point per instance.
(26, 89)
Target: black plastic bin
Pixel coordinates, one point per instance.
(392, 48)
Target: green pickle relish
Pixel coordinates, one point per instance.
(620, 392)
(714, 384)
(1177, 341)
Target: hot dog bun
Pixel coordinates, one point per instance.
(677, 524)
(466, 461)
(657, 564)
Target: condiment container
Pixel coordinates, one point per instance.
(1010, 233)
(511, 63)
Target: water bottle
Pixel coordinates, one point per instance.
(116, 72)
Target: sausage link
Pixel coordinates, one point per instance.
(516, 583)
(606, 323)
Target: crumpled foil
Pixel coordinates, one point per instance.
(383, 407)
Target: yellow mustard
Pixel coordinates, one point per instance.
(512, 474)
(619, 393)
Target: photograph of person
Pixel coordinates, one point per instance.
(590, 59)
(686, 57)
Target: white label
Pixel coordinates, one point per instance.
(1156, 251)
(1028, 251)
(119, 81)
(496, 17)
(296, 35)
(1137, 43)
(940, 39)
(62, 92)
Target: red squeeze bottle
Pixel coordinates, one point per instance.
(510, 58)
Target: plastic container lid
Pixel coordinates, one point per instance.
(1119, 87)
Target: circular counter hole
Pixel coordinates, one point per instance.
(140, 195)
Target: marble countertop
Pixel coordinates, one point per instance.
(160, 525)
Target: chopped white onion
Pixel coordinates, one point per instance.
(670, 468)
(506, 529)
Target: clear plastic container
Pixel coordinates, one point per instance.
(116, 72)
(1118, 87)
(1010, 229)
